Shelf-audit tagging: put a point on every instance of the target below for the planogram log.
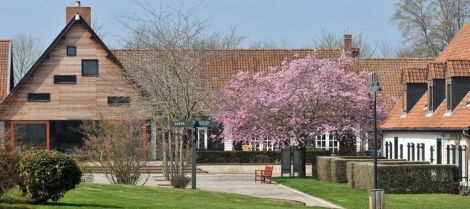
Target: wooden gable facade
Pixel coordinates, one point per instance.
(76, 78)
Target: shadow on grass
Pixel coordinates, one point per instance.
(54, 204)
(61, 204)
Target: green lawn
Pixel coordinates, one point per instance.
(89, 195)
(346, 197)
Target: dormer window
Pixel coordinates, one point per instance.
(71, 51)
(411, 95)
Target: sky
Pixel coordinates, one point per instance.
(295, 22)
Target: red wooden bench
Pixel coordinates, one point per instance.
(264, 175)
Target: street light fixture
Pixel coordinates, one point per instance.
(375, 87)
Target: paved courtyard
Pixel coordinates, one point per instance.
(239, 184)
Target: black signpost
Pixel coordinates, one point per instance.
(194, 124)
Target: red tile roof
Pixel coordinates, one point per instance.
(457, 49)
(437, 70)
(458, 68)
(226, 63)
(414, 75)
(389, 72)
(417, 118)
(5, 67)
(454, 61)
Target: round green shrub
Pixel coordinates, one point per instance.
(48, 174)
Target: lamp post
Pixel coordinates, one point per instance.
(375, 87)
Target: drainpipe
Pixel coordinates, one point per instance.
(466, 163)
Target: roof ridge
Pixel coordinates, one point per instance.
(371, 58)
(240, 49)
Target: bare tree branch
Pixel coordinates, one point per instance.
(26, 50)
(328, 40)
(167, 50)
(427, 26)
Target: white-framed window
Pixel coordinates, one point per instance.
(327, 142)
(263, 145)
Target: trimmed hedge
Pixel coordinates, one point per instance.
(238, 157)
(264, 157)
(339, 167)
(333, 168)
(362, 157)
(272, 157)
(350, 167)
(400, 179)
(406, 178)
(324, 167)
(312, 157)
(350, 173)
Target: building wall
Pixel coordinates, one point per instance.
(71, 101)
(429, 139)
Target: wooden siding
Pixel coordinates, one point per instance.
(71, 101)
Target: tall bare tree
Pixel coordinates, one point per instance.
(427, 26)
(168, 50)
(26, 50)
(267, 43)
(329, 40)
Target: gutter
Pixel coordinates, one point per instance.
(426, 129)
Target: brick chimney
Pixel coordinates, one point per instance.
(85, 12)
(347, 43)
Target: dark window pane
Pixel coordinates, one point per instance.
(28, 136)
(71, 51)
(65, 79)
(90, 67)
(118, 100)
(65, 135)
(39, 97)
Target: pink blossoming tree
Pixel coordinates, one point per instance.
(302, 98)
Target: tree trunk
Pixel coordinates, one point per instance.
(165, 146)
(153, 140)
(181, 153)
(302, 162)
(177, 152)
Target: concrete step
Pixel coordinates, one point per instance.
(147, 169)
